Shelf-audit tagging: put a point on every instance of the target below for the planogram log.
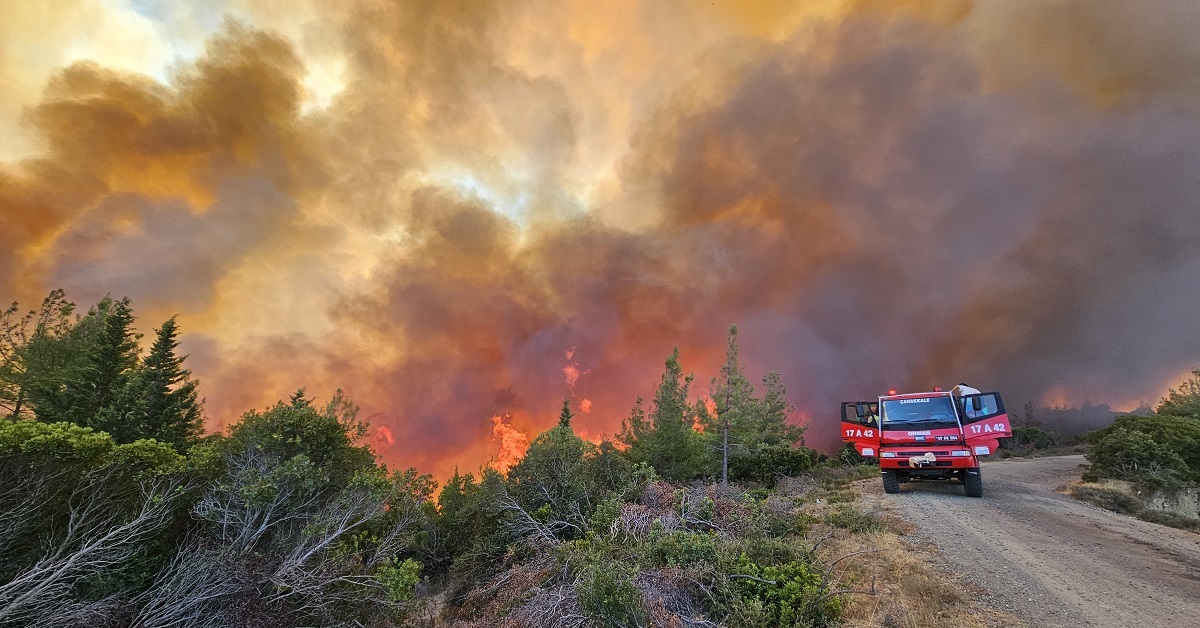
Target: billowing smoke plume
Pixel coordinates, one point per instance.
(499, 206)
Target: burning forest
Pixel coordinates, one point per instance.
(539, 312)
(461, 213)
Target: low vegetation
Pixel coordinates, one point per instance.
(1139, 460)
(118, 512)
(1030, 440)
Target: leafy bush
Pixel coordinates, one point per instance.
(787, 594)
(762, 551)
(1180, 435)
(608, 594)
(1027, 439)
(1183, 401)
(400, 579)
(85, 518)
(682, 548)
(848, 455)
(1132, 455)
(33, 440)
(853, 519)
(766, 463)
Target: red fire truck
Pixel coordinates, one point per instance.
(927, 436)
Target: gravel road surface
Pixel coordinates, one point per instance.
(1051, 560)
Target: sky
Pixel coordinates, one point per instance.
(462, 213)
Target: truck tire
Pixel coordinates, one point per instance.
(973, 483)
(891, 483)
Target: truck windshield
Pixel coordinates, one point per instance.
(927, 410)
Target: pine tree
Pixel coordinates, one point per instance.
(564, 417)
(298, 399)
(173, 413)
(770, 418)
(634, 429)
(111, 357)
(667, 441)
(159, 400)
(733, 396)
(743, 421)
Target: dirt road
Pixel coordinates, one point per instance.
(1053, 561)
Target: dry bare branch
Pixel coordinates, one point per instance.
(99, 536)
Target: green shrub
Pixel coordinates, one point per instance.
(399, 580)
(608, 594)
(682, 548)
(786, 594)
(854, 520)
(848, 455)
(1026, 439)
(761, 551)
(1180, 435)
(1184, 401)
(1132, 455)
(61, 441)
(766, 463)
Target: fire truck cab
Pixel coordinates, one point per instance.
(927, 436)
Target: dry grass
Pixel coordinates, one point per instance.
(1125, 498)
(914, 585)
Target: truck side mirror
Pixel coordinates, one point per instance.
(860, 410)
(976, 403)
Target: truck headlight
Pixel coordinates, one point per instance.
(960, 452)
(982, 451)
(868, 451)
(888, 454)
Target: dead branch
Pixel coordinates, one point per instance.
(822, 540)
(834, 564)
(846, 592)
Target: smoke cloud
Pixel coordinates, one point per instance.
(462, 213)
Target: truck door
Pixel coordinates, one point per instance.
(984, 421)
(860, 425)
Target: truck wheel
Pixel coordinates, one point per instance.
(891, 483)
(974, 483)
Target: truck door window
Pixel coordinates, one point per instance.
(864, 412)
(980, 407)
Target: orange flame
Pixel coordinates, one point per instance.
(572, 373)
(382, 437)
(571, 370)
(585, 406)
(513, 444)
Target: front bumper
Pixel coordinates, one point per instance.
(915, 459)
